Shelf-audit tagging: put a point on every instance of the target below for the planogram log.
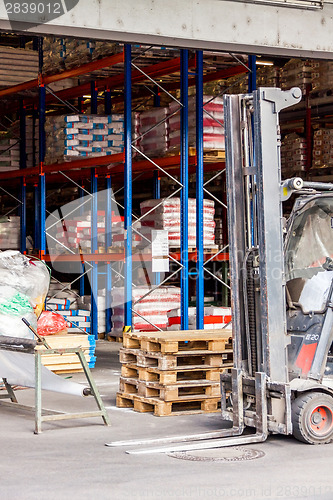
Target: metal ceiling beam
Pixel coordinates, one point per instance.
(248, 27)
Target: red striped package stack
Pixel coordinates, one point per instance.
(151, 310)
(165, 214)
(215, 318)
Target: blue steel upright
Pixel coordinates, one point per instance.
(37, 217)
(252, 85)
(94, 98)
(108, 243)
(82, 278)
(42, 184)
(94, 250)
(23, 165)
(108, 102)
(200, 286)
(128, 189)
(184, 285)
(156, 196)
(253, 73)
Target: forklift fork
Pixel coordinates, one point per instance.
(228, 437)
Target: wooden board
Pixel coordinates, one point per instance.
(182, 359)
(187, 390)
(173, 342)
(169, 377)
(167, 408)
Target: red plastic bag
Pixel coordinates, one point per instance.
(51, 323)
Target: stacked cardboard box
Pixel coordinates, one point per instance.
(296, 73)
(17, 65)
(293, 153)
(322, 156)
(322, 75)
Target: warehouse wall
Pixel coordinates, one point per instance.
(210, 24)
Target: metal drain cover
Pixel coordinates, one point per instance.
(232, 454)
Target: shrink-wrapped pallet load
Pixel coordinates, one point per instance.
(151, 310)
(165, 214)
(213, 124)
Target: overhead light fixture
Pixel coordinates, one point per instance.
(264, 63)
(86, 97)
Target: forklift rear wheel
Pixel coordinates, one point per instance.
(312, 417)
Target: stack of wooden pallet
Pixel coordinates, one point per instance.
(172, 373)
(67, 362)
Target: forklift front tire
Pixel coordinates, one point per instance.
(312, 418)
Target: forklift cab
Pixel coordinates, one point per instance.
(309, 286)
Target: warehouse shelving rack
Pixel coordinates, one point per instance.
(120, 164)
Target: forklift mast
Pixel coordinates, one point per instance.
(256, 230)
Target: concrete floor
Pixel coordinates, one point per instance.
(69, 459)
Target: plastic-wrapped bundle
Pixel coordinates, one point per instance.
(50, 323)
(77, 233)
(153, 308)
(93, 135)
(166, 215)
(154, 141)
(213, 124)
(9, 233)
(23, 288)
(77, 136)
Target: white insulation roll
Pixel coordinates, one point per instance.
(19, 369)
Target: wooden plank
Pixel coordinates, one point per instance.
(130, 371)
(223, 359)
(124, 400)
(171, 342)
(188, 390)
(173, 408)
(175, 376)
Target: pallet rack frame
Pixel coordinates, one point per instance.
(99, 166)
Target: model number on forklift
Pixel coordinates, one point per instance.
(33, 8)
(312, 336)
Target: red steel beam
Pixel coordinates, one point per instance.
(65, 166)
(210, 77)
(71, 73)
(120, 256)
(112, 82)
(171, 164)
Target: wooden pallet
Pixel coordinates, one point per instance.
(173, 342)
(179, 360)
(190, 389)
(209, 155)
(168, 408)
(114, 338)
(171, 376)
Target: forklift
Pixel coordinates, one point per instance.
(281, 277)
